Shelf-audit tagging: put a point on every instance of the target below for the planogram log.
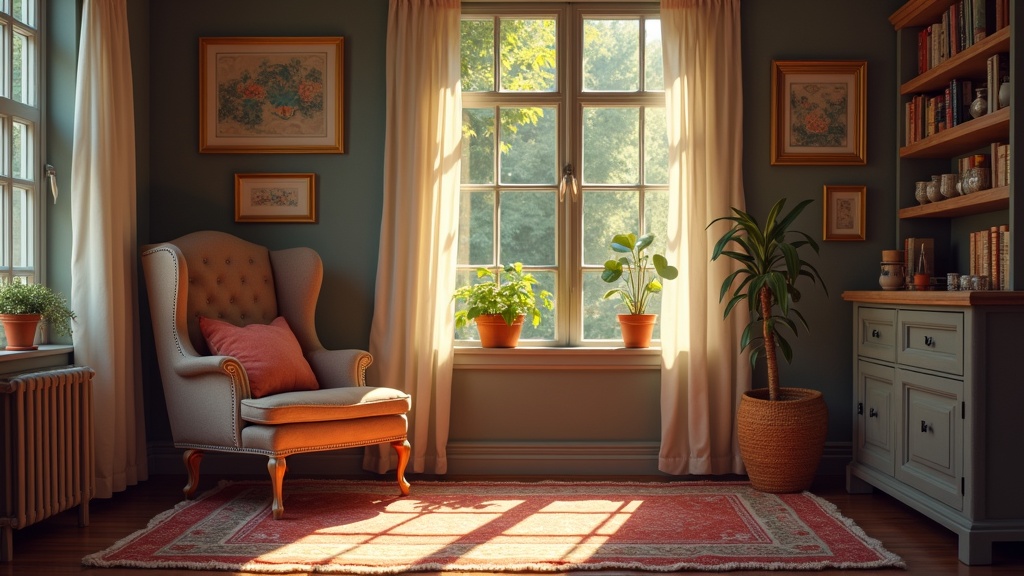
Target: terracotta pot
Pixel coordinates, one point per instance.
(637, 329)
(495, 333)
(782, 441)
(20, 330)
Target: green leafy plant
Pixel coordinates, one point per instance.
(770, 266)
(22, 298)
(508, 292)
(639, 281)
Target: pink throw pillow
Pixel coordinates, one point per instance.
(270, 353)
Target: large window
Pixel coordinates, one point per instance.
(20, 134)
(564, 146)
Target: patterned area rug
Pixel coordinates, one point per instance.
(366, 528)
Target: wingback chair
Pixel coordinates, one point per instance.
(212, 277)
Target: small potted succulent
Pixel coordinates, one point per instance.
(500, 304)
(23, 305)
(639, 282)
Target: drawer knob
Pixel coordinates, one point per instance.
(925, 427)
(876, 334)
(929, 341)
(872, 413)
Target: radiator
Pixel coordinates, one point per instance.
(46, 437)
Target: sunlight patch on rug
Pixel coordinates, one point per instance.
(367, 528)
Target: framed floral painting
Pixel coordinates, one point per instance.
(818, 112)
(845, 212)
(271, 95)
(275, 198)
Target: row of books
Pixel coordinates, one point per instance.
(965, 23)
(1000, 163)
(928, 114)
(990, 256)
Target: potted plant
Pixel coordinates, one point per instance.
(500, 304)
(781, 431)
(639, 282)
(23, 305)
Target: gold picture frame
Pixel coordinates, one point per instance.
(275, 197)
(818, 112)
(845, 212)
(271, 95)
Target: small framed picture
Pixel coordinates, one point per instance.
(845, 210)
(275, 197)
(818, 112)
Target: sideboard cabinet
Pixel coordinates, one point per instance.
(938, 393)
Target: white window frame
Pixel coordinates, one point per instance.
(569, 101)
(32, 114)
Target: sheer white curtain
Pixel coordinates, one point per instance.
(103, 253)
(411, 337)
(703, 373)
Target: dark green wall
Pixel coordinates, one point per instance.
(189, 191)
(817, 30)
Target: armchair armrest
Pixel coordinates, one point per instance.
(339, 368)
(204, 395)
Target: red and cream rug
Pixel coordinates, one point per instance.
(360, 527)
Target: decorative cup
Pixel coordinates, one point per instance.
(947, 186)
(952, 281)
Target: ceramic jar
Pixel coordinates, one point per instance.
(933, 189)
(980, 106)
(947, 185)
(921, 192)
(893, 275)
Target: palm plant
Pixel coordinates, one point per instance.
(770, 266)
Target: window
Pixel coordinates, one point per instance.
(20, 135)
(556, 93)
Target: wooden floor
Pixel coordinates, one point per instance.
(55, 546)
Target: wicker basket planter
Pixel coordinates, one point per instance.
(781, 442)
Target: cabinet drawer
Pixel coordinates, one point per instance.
(932, 340)
(876, 333)
(931, 449)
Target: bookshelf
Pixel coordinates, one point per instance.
(936, 378)
(950, 221)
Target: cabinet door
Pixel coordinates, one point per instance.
(930, 453)
(875, 422)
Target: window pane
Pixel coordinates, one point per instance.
(20, 151)
(528, 145)
(654, 68)
(599, 315)
(655, 146)
(605, 214)
(19, 68)
(656, 219)
(528, 227)
(528, 55)
(478, 145)
(24, 11)
(611, 145)
(478, 55)
(21, 206)
(611, 55)
(476, 229)
(468, 332)
(546, 329)
(4, 65)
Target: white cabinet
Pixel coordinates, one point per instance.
(938, 391)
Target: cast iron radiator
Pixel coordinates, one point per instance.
(46, 439)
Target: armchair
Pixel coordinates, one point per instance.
(212, 401)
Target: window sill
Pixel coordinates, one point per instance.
(542, 358)
(48, 355)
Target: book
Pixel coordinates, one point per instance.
(1004, 256)
(994, 279)
(978, 21)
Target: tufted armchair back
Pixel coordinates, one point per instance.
(229, 279)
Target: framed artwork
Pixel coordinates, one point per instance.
(275, 197)
(271, 95)
(818, 112)
(845, 211)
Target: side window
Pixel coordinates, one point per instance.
(20, 131)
